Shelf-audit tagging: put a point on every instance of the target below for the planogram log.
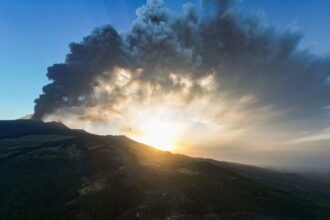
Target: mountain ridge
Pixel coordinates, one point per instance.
(50, 171)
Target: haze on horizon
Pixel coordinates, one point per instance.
(212, 80)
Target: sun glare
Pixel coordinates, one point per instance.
(158, 134)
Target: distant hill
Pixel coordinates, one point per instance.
(48, 171)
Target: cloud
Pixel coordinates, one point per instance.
(74, 81)
(307, 137)
(219, 65)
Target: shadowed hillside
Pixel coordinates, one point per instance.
(48, 171)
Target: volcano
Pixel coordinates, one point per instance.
(48, 171)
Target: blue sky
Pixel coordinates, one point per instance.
(35, 34)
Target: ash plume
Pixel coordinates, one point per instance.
(244, 57)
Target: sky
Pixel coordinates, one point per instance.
(36, 35)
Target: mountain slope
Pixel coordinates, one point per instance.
(48, 171)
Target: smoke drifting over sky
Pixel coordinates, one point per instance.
(219, 75)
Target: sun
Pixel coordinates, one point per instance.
(159, 134)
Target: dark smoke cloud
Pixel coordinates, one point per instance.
(74, 80)
(245, 56)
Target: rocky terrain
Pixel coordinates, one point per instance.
(48, 171)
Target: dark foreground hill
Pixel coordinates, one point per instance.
(48, 171)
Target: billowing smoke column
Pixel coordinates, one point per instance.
(245, 57)
(74, 80)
